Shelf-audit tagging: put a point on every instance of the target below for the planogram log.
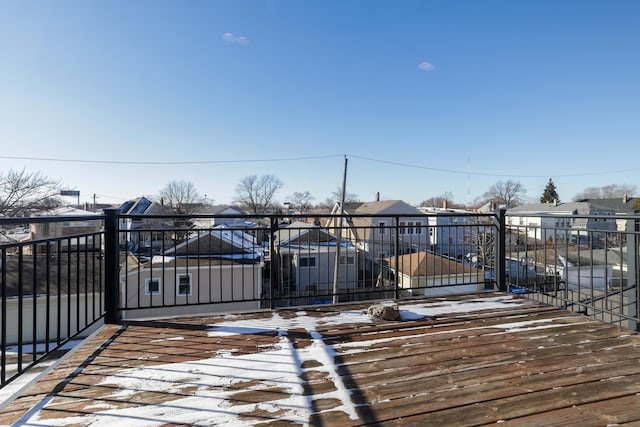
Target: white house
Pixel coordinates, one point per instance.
(451, 233)
(382, 226)
(218, 215)
(306, 261)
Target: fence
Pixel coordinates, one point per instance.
(51, 286)
(69, 273)
(584, 263)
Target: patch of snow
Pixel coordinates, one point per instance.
(168, 339)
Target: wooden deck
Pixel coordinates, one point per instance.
(470, 360)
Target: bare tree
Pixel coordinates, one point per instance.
(256, 194)
(22, 191)
(348, 197)
(606, 192)
(445, 199)
(511, 193)
(301, 201)
(181, 196)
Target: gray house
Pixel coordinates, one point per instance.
(577, 222)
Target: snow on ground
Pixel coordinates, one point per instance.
(9, 392)
(205, 383)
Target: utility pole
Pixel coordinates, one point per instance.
(336, 270)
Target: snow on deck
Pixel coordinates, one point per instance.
(319, 365)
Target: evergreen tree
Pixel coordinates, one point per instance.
(550, 194)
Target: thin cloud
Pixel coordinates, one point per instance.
(426, 66)
(232, 38)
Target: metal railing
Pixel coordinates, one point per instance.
(69, 273)
(191, 264)
(583, 263)
(51, 287)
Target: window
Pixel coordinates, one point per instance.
(347, 259)
(183, 284)
(382, 226)
(418, 227)
(401, 228)
(410, 227)
(152, 286)
(307, 262)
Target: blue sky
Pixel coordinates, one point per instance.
(423, 97)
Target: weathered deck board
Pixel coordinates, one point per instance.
(518, 364)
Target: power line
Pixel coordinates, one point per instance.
(293, 159)
(187, 162)
(456, 171)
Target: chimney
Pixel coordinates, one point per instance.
(625, 199)
(377, 196)
(555, 202)
(444, 204)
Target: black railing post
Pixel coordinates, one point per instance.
(272, 257)
(111, 265)
(633, 270)
(500, 252)
(397, 258)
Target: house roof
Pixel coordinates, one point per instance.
(394, 207)
(618, 203)
(580, 208)
(143, 206)
(167, 262)
(427, 264)
(218, 242)
(220, 210)
(303, 233)
(66, 211)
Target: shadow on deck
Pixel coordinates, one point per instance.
(460, 360)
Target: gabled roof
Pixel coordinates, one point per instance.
(619, 204)
(143, 206)
(427, 264)
(218, 242)
(299, 232)
(391, 207)
(581, 208)
(66, 211)
(220, 210)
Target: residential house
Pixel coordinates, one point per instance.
(218, 215)
(215, 270)
(141, 232)
(424, 273)
(451, 232)
(305, 261)
(622, 206)
(579, 222)
(48, 230)
(379, 229)
(491, 206)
